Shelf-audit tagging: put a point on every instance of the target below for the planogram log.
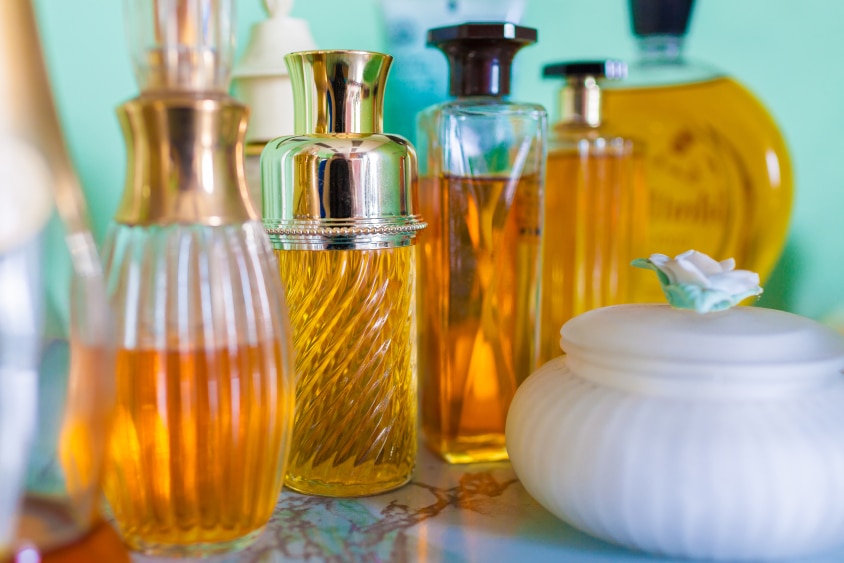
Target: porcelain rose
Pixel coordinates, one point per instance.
(695, 281)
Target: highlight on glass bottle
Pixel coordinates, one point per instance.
(204, 362)
(596, 208)
(719, 173)
(481, 191)
(56, 369)
(339, 203)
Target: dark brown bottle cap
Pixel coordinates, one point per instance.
(610, 68)
(480, 55)
(660, 17)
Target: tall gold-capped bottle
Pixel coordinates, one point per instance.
(717, 167)
(204, 361)
(339, 204)
(596, 212)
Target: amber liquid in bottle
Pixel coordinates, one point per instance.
(197, 442)
(479, 281)
(719, 175)
(595, 225)
(352, 317)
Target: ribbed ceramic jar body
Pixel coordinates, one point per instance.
(204, 385)
(693, 461)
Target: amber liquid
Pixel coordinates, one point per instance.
(478, 296)
(351, 312)
(717, 167)
(197, 446)
(596, 218)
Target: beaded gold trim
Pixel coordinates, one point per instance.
(347, 231)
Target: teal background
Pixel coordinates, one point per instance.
(787, 52)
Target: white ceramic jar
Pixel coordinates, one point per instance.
(717, 436)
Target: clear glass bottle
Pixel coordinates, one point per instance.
(204, 362)
(56, 367)
(481, 193)
(596, 208)
(718, 168)
(339, 203)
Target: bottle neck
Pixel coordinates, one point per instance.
(580, 102)
(660, 49)
(185, 161)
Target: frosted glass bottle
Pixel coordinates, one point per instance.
(339, 204)
(483, 160)
(596, 207)
(718, 168)
(204, 361)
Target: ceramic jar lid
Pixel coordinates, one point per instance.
(658, 339)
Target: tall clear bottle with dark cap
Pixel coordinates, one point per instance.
(596, 207)
(481, 193)
(339, 204)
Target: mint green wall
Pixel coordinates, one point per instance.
(787, 52)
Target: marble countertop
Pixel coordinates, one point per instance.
(470, 513)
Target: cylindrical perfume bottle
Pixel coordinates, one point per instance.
(483, 160)
(56, 367)
(204, 362)
(339, 203)
(595, 205)
(719, 173)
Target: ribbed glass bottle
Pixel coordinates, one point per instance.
(339, 203)
(204, 361)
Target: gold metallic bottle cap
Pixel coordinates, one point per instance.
(339, 183)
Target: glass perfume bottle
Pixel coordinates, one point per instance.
(204, 362)
(339, 203)
(483, 160)
(56, 367)
(596, 208)
(718, 168)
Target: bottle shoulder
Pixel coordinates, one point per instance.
(644, 74)
(332, 145)
(485, 107)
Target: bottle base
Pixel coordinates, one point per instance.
(199, 549)
(475, 449)
(325, 489)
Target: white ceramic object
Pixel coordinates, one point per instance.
(717, 436)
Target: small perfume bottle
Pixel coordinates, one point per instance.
(595, 205)
(719, 172)
(204, 362)
(483, 160)
(339, 204)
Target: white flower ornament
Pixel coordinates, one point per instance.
(695, 281)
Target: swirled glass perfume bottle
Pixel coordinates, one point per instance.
(339, 204)
(204, 362)
(483, 163)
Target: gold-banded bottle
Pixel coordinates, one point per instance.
(339, 205)
(204, 362)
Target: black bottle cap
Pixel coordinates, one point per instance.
(660, 17)
(611, 69)
(480, 55)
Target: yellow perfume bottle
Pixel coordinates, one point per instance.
(719, 173)
(596, 208)
(339, 204)
(482, 191)
(204, 362)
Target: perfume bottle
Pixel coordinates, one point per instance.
(56, 368)
(596, 208)
(718, 169)
(204, 362)
(483, 160)
(339, 204)
(261, 81)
